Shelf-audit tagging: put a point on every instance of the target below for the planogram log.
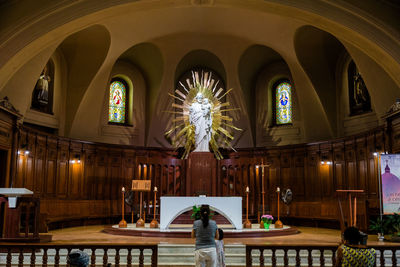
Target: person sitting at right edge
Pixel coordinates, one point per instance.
(351, 253)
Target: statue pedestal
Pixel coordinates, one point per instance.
(201, 174)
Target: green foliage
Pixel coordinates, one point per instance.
(393, 224)
(196, 213)
(377, 226)
(390, 224)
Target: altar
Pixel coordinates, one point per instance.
(229, 207)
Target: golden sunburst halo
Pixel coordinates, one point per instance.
(182, 133)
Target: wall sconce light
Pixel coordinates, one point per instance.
(326, 162)
(23, 150)
(76, 159)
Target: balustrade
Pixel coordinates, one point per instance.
(325, 254)
(50, 254)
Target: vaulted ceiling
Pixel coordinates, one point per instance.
(248, 43)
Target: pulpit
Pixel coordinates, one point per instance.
(15, 202)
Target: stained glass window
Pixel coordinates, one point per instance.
(283, 103)
(117, 102)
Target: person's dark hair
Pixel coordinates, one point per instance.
(205, 214)
(78, 258)
(220, 234)
(352, 235)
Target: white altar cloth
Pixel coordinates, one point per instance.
(229, 207)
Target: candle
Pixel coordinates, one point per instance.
(155, 189)
(123, 189)
(278, 189)
(247, 189)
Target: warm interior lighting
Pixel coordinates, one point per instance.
(23, 150)
(76, 159)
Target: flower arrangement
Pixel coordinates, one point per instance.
(266, 218)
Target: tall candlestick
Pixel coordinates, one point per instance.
(122, 223)
(278, 223)
(247, 223)
(154, 223)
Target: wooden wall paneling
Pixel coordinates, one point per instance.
(393, 132)
(298, 185)
(51, 168)
(89, 165)
(128, 169)
(75, 178)
(115, 175)
(274, 173)
(351, 165)
(273, 181)
(171, 179)
(338, 166)
(40, 165)
(6, 131)
(63, 165)
(19, 179)
(101, 174)
(179, 177)
(255, 196)
(29, 171)
(362, 156)
(165, 180)
(325, 170)
(313, 189)
(224, 180)
(285, 170)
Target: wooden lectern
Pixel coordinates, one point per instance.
(352, 211)
(141, 186)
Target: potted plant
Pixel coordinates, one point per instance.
(267, 220)
(378, 227)
(393, 225)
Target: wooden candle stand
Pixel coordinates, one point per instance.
(122, 223)
(278, 223)
(247, 223)
(154, 223)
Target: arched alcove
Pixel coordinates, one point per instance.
(252, 61)
(200, 59)
(148, 59)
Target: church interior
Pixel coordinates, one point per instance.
(94, 94)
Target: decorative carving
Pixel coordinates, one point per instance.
(395, 107)
(6, 104)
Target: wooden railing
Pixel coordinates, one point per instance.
(55, 254)
(311, 250)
